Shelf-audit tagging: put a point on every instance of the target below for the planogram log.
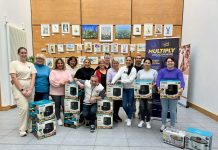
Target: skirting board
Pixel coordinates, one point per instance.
(7, 107)
(202, 110)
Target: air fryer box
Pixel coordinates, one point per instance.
(142, 88)
(42, 110)
(197, 139)
(71, 120)
(71, 90)
(104, 121)
(169, 88)
(105, 106)
(174, 137)
(71, 105)
(44, 129)
(115, 91)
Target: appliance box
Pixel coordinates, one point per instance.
(71, 90)
(142, 88)
(115, 91)
(169, 88)
(104, 121)
(105, 106)
(71, 120)
(71, 105)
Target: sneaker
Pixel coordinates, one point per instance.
(162, 128)
(29, 131)
(128, 123)
(60, 123)
(92, 128)
(22, 134)
(141, 123)
(87, 122)
(148, 125)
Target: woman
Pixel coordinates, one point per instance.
(59, 76)
(127, 74)
(117, 103)
(145, 104)
(107, 59)
(101, 73)
(72, 66)
(42, 78)
(172, 73)
(23, 75)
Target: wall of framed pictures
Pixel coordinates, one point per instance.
(81, 27)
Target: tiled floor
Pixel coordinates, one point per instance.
(118, 138)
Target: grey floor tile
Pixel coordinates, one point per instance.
(110, 148)
(75, 147)
(53, 140)
(11, 147)
(16, 140)
(40, 147)
(75, 141)
(111, 142)
(5, 132)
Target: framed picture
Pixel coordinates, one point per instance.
(105, 48)
(81, 59)
(89, 31)
(60, 48)
(70, 47)
(137, 29)
(158, 29)
(124, 48)
(141, 47)
(168, 30)
(65, 28)
(49, 62)
(97, 48)
(114, 47)
(106, 33)
(132, 47)
(51, 48)
(94, 60)
(88, 47)
(79, 47)
(123, 32)
(76, 30)
(148, 29)
(55, 28)
(121, 60)
(45, 30)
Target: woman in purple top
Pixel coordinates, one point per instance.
(172, 73)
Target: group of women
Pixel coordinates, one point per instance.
(27, 77)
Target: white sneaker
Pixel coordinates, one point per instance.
(141, 123)
(148, 125)
(162, 128)
(60, 123)
(128, 123)
(22, 134)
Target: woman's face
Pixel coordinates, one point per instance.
(115, 65)
(147, 64)
(23, 54)
(102, 65)
(39, 61)
(73, 63)
(170, 63)
(128, 61)
(60, 65)
(87, 64)
(107, 59)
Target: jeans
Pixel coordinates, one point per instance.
(59, 102)
(41, 96)
(128, 102)
(145, 109)
(169, 105)
(89, 112)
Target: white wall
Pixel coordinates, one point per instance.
(200, 29)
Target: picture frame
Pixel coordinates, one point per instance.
(51, 48)
(137, 29)
(89, 31)
(70, 47)
(148, 29)
(141, 47)
(75, 30)
(55, 28)
(123, 32)
(121, 60)
(105, 48)
(158, 29)
(88, 47)
(168, 29)
(97, 48)
(81, 59)
(79, 47)
(45, 30)
(65, 27)
(93, 60)
(49, 62)
(114, 48)
(106, 33)
(124, 48)
(60, 48)
(132, 47)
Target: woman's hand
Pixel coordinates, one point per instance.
(29, 92)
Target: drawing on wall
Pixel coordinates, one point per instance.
(88, 47)
(70, 47)
(51, 48)
(114, 47)
(55, 28)
(81, 59)
(148, 29)
(124, 48)
(158, 29)
(123, 31)
(106, 33)
(49, 62)
(89, 31)
(105, 48)
(168, 29)
(45, 30)
(137, 29)
(76, 30)
(94, 60)
(121, 60)
(79, 47)
(141, 47)
(132, 48)
(97, 48)
(65, 28)
(60, 48)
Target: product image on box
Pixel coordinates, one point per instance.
(105, 106)
(71, 120)
(169, 88)
(197, 139)
(44, 129)
(71, 105)
(42, 110)
(104, 121)
(174, 137)
(115, 91)
(142, 88)
(71, 90)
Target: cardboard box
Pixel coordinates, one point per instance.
(71, 120)
(174, 137)
(169, 88)
(104, 121)
(142, 88)
(197, 139)
(105, 106)
(71, 90)
(115, 91)
(71, 105)
(44, 129)
(42, 110)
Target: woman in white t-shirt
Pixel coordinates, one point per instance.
(145, 104)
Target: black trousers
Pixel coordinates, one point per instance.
(117, 105)
(145, 106)
(59, 102)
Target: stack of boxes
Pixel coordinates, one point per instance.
(42, 114)
(71, 106)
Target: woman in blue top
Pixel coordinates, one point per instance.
(42, 78)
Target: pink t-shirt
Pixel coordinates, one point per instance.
(55, 78)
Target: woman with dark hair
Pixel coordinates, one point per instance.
(170, 73)
(127, 74)
(23, 75)
(101, 73)
(59, 76)
(145, 104)
(72, 66)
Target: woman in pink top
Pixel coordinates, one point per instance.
(58, 77)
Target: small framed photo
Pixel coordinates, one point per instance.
(45, 30)
(105, 48)
(97, 48)
(65, 28)
(88, 47)
(76, 30)
(168, 29)
(70, 47)
(132, 47)
(141, 47)
(106, 33)
(79, 47)
(124, 48)
(94, 60)
(60, 48)
(137, 29)
(148, 29)
(49, 62)
(55, 28)
(51, 48)
(114, 48)
(158, 29)
(81, 59)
